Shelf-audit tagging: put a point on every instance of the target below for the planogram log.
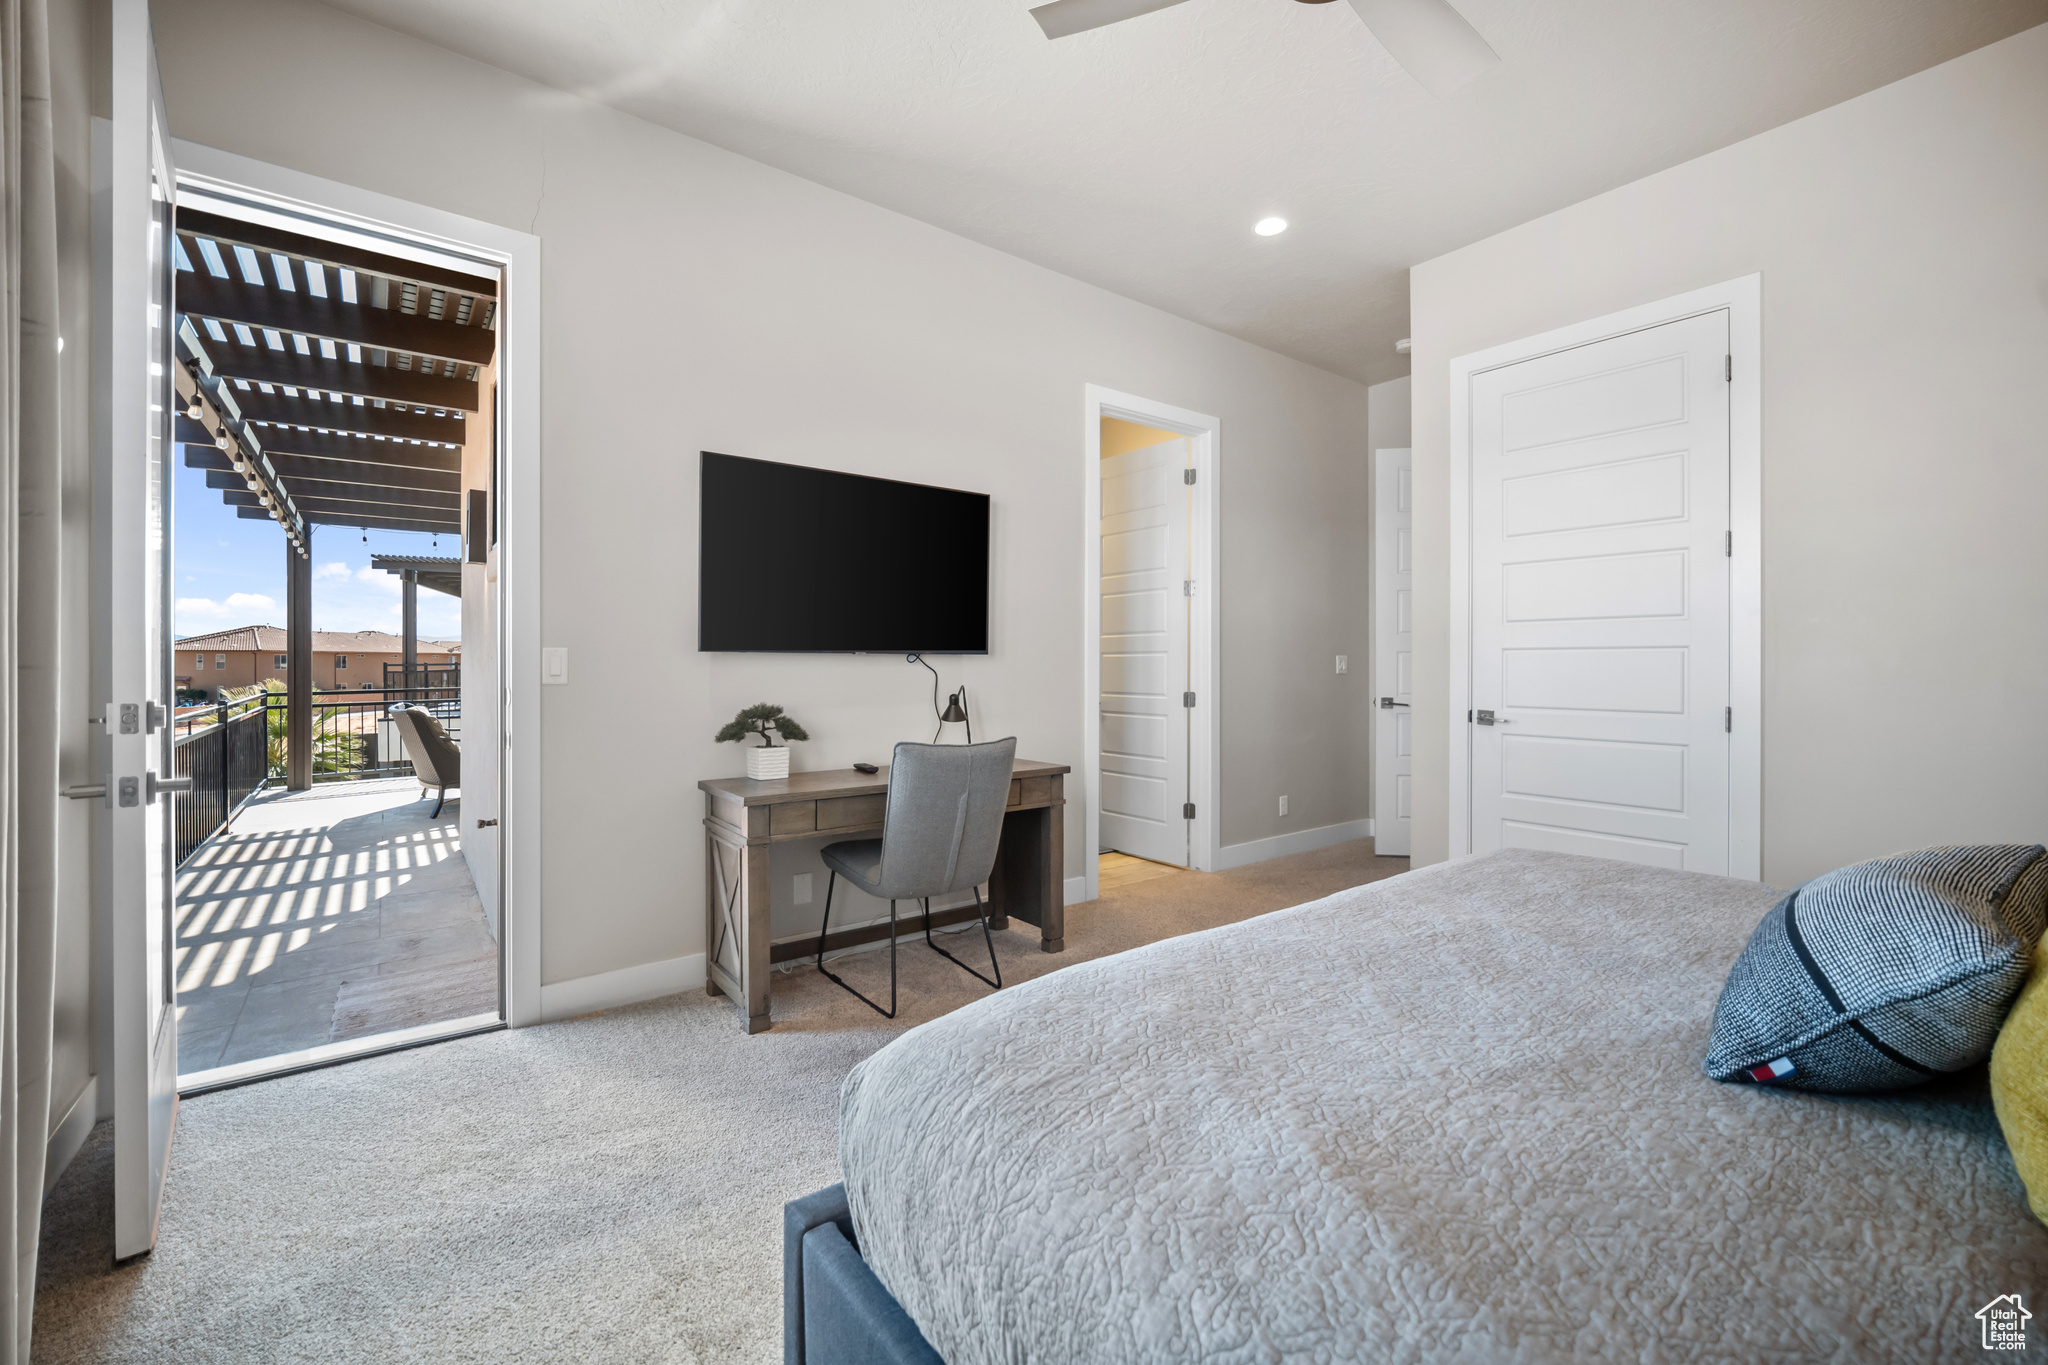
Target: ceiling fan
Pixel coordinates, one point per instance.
(1427, 37)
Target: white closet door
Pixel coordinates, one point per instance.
(1145, 653)
(1600, 599)
(1393, 652)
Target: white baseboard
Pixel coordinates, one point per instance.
(627, 986)
(70, 1132)
(1076, 890)
(1300, 841)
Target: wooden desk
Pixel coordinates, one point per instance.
(743, 818)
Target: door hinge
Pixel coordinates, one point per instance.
(1728, 719)
(1728, 545)
(1187, 476)
(1187, 699)
(1187, 811)
(1187, 587)
(1728, 368)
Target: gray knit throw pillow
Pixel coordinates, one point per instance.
(1885, 974)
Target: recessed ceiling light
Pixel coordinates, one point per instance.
(1270, 227)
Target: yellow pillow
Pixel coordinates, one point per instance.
(2019, 1083)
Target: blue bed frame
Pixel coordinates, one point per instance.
(834, 1310)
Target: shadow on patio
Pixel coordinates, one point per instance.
(327, 915)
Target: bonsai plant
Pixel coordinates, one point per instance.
(767, 760)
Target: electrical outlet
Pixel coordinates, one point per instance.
(1343, 663)
(800, 889)
(1283, 805)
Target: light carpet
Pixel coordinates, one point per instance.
(607, 1188)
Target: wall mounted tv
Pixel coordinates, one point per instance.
(811, 561)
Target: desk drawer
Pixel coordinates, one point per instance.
(792, 817)
(1040, 791)
(851, 812)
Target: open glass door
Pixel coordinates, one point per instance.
(133, 552)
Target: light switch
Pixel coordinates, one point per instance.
(554, 665)
(1343, 663)
(1283, 805)
(800, 889)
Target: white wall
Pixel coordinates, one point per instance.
(1389, 421)
(694, 300)
(1903, 242)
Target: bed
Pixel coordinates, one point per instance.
(1456, 1115)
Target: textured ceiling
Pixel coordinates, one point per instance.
(1138, 156)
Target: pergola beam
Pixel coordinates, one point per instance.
(267, 239)
(318, 492)
(358, 512)
(294, 467)
(331, 414)
(260, 365)
(368, 523)
(296, 311)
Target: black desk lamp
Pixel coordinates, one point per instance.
(955, 712)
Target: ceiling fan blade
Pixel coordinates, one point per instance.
(1062, 17)
(1433, 41)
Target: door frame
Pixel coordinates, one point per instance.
(1205, 735)
(1742, 299)
(418, 229)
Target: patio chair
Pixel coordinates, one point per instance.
(436, 758)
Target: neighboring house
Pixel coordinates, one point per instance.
(348, 661)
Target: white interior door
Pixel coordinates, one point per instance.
(1145, 718)
(1393, 652)
(1600, 599)
(136, 199)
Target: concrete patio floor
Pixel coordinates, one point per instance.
(324, 915)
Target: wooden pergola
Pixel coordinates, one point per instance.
(325, 384)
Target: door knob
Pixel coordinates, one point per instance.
(1488, 718)
(159, 785)
(486, 824)
(91, 791)
(1387, 703)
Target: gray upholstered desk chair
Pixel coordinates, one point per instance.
(940, 830)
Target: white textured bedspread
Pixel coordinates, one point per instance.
(1456, 1115)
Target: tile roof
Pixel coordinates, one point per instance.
(271, 640)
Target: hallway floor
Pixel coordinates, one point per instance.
(326, 915)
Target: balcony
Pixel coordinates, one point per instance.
(321, 917)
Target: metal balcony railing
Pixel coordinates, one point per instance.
(234, 749)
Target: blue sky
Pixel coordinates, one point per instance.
(230, 571)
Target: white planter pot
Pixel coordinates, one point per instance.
(768, 765)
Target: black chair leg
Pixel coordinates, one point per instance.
(440, 799)
(831, 881)
(980, 909)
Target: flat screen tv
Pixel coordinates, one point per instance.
(811, 561)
